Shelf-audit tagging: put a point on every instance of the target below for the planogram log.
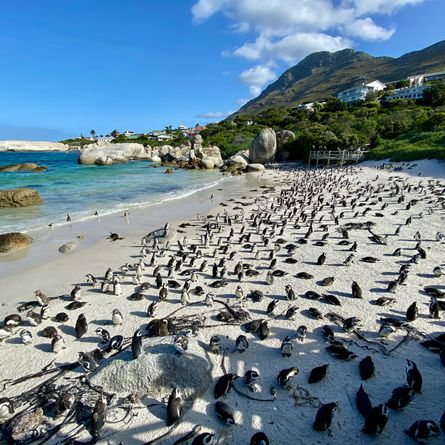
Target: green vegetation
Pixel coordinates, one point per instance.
(401, 130)
(178, 139)
(77, 142)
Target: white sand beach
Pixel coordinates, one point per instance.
(266, 212)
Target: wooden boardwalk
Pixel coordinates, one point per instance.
(339, 156)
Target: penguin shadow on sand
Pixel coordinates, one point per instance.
(44, 347)
(140, 314)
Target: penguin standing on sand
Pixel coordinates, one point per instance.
(286, 347)
(41, 298)
(413, 376)
(241, 343)
(136, 344)
(323, 418)
(57, 343)
(81, 326)
(116, 317)
(117, 288)
(174, 407)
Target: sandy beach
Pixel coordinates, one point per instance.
(254, 208)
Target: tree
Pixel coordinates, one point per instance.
(434, 95)
(93, 133)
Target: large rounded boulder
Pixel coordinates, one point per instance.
(10, 242)
(27, 167)
(283, 137)
(263, 147)
(21, 197)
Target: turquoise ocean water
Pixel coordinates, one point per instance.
(80, 190)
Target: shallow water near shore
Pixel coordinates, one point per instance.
(80, 190)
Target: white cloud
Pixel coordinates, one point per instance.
(212, 115)
(257, 77)
(289, 30)
(242, 101)
(366, 29)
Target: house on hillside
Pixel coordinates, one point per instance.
(418, 83)
(359, 93)
(196, 130)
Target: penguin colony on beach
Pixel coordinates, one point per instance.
(301, 303)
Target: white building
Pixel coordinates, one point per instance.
(356, 94)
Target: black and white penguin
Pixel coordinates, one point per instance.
(87, 361)
(103, 334)
(215, 344)
(434, 308)
(57, 343)
(76, 293)
(204, 439)
(367, 368)
(251, 376)
(290, 293)
(423, 429)
(286, 347)
(41, 298)
(259, 438)
(317, 374)
(413, 376)
(356, 290)
(241, 343)
(362, 402)
(25, 337)
(412, 311)
(6, 408)
(223, 385)
(91, 279)
(324, 416)
(285, 375)
(98, 418)
(136, 344)
(116, 317)
(81, 326)
(321, 259)
(400, 397)
(174, 407)
(224, 412)
(301, 333)
(376, 420)
(12, 320)
(33, 318)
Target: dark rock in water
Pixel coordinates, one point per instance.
(26, 167)
(10, 242)
(20, 197)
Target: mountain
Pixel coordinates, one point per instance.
(324, 74)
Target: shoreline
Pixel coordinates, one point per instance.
(296, 406)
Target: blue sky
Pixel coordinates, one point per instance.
(69, 66)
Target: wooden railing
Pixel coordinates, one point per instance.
(339, 156)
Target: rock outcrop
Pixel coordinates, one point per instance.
(264, 147)
(32, 146)
(68, 247)
(21, 197)
(28, 167)
(105, 153)
(283, 137)
(238, 161)
(251, 168)
(156, 371)
(10, 242)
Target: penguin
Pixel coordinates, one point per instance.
(87, 361)
(163, 292)
(224, 413)
(356, 290)
(400, 397)
(209, 299)
(12, 320)
(362, 402)
(41, 298)
(185, 297)
(413, 376)
(215, 344)
(81, 326)
(68, 217)
(136, 344)
(103, 334)
(271, 307)
(105, 286)
(174, 407)
(98, 418)
(75, 293)
(116, 317)
(49, 332)
(285, 375)
(152, 308)
(204, 439)
(340, 352)
(328, 333)
(117, 288)
(239, 293)
(291, 312)
(317, 374)
(33, 318)
(301, 333)
(321, 259)
(434, 308)
(367, 368)
(423, 429)
(91, 279)
(61, 317)
(115, 343)
(241, 343)
(57, 343)
(26, 337)
(263, 330)
(290, 294)
(250, 379)
(223, 385)
(181, 343)
(323, 418)
(327, 281)
(45, 312)
(392, 286)
(6, 408)
(376, 420)
(351, 324)
(259, 438)
(412, 311)
(286, 347)
(438, 271)
(269, 278)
